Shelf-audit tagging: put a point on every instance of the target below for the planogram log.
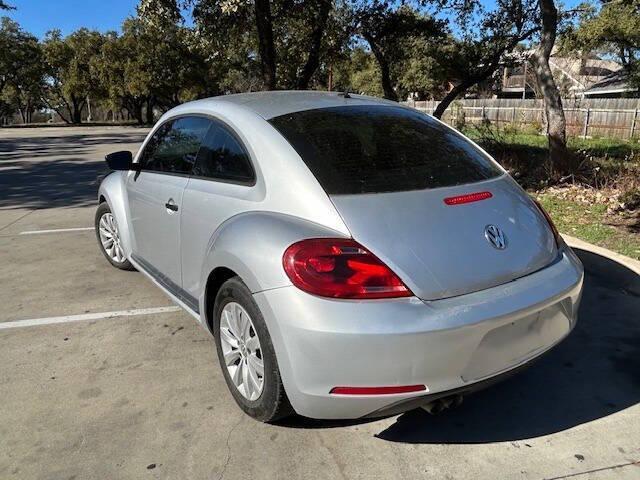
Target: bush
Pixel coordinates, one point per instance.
(631, 199)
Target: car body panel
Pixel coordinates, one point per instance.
(440, 250)
(273, 104)
(154, 228)
(442, 344)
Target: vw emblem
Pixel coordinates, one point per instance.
(495, 237)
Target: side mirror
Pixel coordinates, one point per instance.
(122, 160)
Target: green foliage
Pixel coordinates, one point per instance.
(71, 76)
(359, 73)
(589, 223)
(613, 29)
(419, 48)
(21, 70)
(397, 36)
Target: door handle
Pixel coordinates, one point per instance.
(171, 206)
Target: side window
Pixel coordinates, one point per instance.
(146, 158)
(222, 157)
(174, 146)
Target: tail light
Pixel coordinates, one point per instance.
(340, 268)
(556, 233)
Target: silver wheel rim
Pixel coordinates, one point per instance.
(241, 350)
(110, 238)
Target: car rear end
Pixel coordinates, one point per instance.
(453, 275)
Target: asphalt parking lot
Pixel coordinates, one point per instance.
(141, 395)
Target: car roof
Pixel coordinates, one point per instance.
(275, 103)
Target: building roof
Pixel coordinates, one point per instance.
(275, 103)
(617, 82)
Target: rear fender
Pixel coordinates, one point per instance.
(252, 244)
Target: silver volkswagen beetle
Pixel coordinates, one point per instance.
(351, 257)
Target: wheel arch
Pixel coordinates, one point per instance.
(216, 279)
(112, 191)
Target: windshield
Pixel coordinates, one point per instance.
(379, 148)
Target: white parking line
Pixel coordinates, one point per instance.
(57, 230)
(87, 316)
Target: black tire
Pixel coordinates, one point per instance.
(103, 209)
(272, 404)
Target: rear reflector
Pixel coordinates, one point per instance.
(377, 390)
(468, 198)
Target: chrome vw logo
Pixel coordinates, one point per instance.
(495, 237)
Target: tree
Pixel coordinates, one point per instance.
(358, 72)
(287, 36)
(71, 77)
(21, 70)
(560, 157)
(153, 64)
(6, 6)
(484, 44)
(386, 30)
(614, 30)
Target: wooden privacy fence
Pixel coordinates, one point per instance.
(606, 117)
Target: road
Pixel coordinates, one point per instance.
(142, 396)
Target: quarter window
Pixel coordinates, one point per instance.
(174, 146)
(222, 157)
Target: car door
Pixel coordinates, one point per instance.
(221, 186)
(155, 197)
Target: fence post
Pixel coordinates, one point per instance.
(483, 114)
(585, 129)
(633, 123)
(513, 116)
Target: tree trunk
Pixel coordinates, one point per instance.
(137, 113)
(385, 69)
(76, 112)
(454, 93)
(265, 43)
(561, 159)
(313, 60)
(149, 111)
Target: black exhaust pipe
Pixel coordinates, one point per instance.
(442, 404)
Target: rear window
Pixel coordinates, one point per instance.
(373, 149)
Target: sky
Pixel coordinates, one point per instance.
(40, 16)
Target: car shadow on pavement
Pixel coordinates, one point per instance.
(593, 373)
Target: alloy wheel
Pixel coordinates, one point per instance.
(110, 238)
(241, 351)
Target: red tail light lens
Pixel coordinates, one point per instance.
(340, 268)
(556, 233)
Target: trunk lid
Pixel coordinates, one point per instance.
(441, 250)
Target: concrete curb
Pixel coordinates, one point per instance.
(620, 270)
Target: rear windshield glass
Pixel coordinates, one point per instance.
(372, 149)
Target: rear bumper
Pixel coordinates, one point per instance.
(445, 345)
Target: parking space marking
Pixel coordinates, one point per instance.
(87, 317)
(57, 230)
